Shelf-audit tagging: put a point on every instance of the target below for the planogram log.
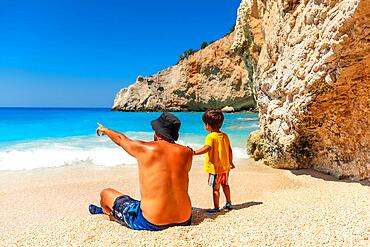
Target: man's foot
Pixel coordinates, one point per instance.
(228, 206)
(213, 210)
(95, 209)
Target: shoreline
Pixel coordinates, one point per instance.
(224, 112)
(272, 206)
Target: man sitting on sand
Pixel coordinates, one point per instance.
(163, 176)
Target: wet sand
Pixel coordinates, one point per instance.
(48, 207)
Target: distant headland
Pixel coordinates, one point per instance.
(305, 65)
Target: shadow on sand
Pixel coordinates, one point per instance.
(326, 177)
(200, 214)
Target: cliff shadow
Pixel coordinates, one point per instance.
(200, 214)
(326, 177)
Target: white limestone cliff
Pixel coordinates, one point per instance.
(310, 66)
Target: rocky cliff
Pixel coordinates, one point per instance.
(213, 77)
(310, 63)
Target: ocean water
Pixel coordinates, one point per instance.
(50, 137)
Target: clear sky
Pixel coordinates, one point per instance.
(81, 52)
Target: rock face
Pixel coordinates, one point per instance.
(213, 77)
(310, 66)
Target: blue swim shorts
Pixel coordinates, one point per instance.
(217, 179)
(127, 212)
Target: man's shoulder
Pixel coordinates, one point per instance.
(171, 146)
(185, 149)
(181, 149)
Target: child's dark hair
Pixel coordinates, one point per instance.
(213, 118)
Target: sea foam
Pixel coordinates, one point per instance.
(26, 160)
(89, 150)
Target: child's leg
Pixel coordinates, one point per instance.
(226, 189)
(216, 196)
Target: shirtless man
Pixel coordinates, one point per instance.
(163, 176)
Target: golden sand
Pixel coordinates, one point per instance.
(48, 207)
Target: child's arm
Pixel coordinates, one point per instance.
(202, 150)
(231, 157)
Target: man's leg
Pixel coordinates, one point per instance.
(107, 198)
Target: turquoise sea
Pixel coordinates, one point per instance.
(50, 137)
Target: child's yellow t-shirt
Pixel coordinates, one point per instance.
(217, 159)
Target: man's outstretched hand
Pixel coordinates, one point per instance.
(100, 130)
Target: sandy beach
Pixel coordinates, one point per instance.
(48, 207)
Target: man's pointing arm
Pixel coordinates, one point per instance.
(132, 147)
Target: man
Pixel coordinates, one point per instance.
(163, 177)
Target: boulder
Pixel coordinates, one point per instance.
(228, 109)
(255, 145)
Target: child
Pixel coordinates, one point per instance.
(219, 158)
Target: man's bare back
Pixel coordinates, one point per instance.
(164, 182)
(163, 176)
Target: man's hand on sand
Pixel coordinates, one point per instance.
(100, 130)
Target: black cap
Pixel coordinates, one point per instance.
(167, 125)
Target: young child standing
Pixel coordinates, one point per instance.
(219, 158)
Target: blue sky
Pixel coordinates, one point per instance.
(80, 53)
